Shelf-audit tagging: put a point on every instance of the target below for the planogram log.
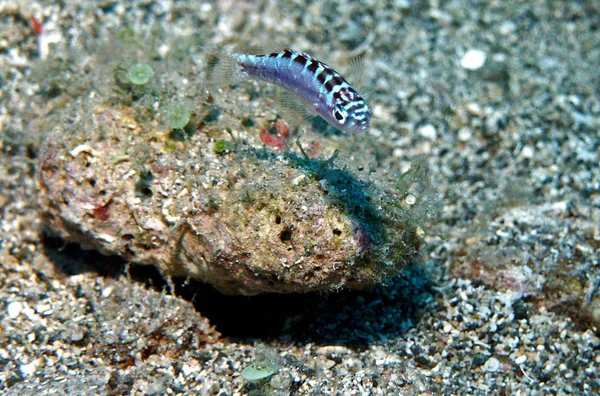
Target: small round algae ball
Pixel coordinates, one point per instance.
(178, 115)
(221, 146)
(140, 73)
(259, 370)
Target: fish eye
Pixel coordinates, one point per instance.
(339, 115)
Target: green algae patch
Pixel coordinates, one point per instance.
(178, 115)
(221, 147)
(260, 370)
(140, 73)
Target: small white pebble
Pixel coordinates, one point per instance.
(447, 327)
(188, 369)
(82, 148)
(163, 50)
(46, 39)
(205, 7)
(333, 350)
(474, 109)
(128, 174)
(442, 17)
(527, 152)
(14, 309)
(300, 180)
(474, 59)
(28, 369)
(521, 359)
(107, 291)
(402, 94)
(464, 134)
(507, 28)
(410, 199)
(492, 365)
(427, 131)
(43, 308)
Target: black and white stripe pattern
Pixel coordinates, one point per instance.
(317, 85)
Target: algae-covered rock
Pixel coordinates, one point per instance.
(247, 220)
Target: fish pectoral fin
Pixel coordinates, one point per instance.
(292, 109)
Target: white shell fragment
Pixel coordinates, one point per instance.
(473, 59)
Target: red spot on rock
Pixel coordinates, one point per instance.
(282, 129)
(272, 140)
(276, 136)
(101, 212)
(36, 25)
(314, 149)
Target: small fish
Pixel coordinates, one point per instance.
(318, 87)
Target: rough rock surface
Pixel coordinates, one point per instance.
(246, 221)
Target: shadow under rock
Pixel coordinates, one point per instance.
(353, 319)
(70, 259)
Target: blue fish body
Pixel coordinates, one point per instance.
(320, 88)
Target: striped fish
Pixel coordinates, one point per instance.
(322, 90)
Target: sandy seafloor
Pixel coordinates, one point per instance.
(504, 298)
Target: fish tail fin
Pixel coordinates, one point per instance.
(224, 70)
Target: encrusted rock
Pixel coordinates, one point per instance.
(237, 220)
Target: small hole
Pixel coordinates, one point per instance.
(31, 153)
(286, 234)
(127, 237)
(337, 231)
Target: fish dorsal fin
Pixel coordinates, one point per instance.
(356, 72)
(356, 77)
(272, 44)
